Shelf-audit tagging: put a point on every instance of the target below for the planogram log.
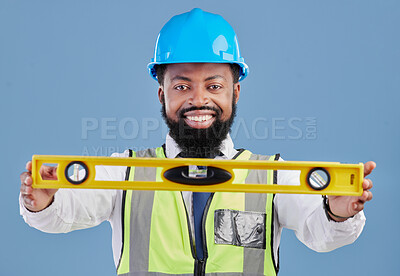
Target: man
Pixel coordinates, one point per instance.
(198, 66)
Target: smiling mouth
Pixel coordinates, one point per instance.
(201, 118)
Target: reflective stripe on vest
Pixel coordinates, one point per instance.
(156, 233)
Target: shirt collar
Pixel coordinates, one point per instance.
(227, 148)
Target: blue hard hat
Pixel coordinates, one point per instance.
(197, 36)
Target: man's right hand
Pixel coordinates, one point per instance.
(36, 200)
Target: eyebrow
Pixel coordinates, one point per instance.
(215, 77)
(178, 77)
(181, 78)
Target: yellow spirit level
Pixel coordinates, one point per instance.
(201, 175)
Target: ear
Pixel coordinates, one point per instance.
(161, 94)
(236, 90)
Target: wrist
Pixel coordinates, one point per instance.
(329, 214)
(39, 209)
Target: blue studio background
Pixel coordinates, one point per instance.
(324, 85)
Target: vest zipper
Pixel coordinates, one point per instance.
(189, 229)
(200, 267)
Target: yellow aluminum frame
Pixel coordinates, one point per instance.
(345, 179)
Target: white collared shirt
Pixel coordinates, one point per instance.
(74, 209)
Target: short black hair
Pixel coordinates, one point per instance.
(161, 68)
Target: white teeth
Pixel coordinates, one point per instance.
(199, 118)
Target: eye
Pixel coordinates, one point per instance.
(181, 87)
(214, 87)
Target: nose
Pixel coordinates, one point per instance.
(199, 97)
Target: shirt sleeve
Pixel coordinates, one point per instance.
(74, 209)
(305, 215)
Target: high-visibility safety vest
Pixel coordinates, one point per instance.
(238, 227)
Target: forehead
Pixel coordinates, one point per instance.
(199, 71)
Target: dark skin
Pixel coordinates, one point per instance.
(347, 206)
(36, 200)
(196, 84)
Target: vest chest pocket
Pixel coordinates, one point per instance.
(240, 228)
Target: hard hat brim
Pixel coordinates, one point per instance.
(243, 73)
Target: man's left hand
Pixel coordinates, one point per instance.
(348, 206)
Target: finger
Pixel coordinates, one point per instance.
(366, 196)
(363, 198)
(48, 172)
(26, 190)
(370, 196)
(26, 183)
(358, 206)
(28, 166)
(26, 178)
(369, 167)
(367, 184)
(28, 201)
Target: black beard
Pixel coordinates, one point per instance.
(199, 143)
